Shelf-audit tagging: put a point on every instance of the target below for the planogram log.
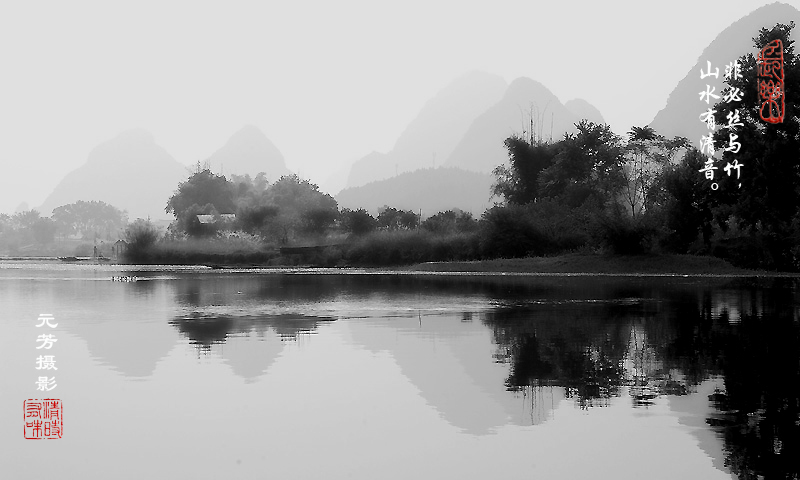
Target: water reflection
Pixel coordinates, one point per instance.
(459, 362)
(251, 344)
(553, 339)
(124, 326)
(666, 343)
(759, 408)
(449, 362)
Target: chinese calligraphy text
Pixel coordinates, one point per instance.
(44, 417)
(733, 94)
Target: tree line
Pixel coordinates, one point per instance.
(647, 193)
(81, 220)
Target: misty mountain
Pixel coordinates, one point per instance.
(583, 109)
(431, 136)
(249, 151)
(481, 149)
(681, 115)
(430, 189)
(130, 172)
(336, 181)
(373, 166)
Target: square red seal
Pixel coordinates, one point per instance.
(44, 418)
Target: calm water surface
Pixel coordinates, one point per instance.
(205, 374)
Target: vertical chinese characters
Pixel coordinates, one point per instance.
(44, 417)
(707, 117)
(46, 362)
(734, 94)
(770, 82)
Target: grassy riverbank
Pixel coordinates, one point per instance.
(589, 263)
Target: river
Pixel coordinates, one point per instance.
(198, 373)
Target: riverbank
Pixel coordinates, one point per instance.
(598, 264)
(591, 264)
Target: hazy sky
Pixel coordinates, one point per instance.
(326, 81)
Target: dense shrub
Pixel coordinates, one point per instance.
(621, 234)
(451, 221)
(234, 248)
(357, 222)
(542, 228)
(393, 219)
(141, 235)
(508, 232)
(400, 247)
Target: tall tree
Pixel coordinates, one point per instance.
(690, 204)
(588, 165)
(202, 188)
(89, 218)
(647, 154)
(302, 208)
(204, 193)
(519, 182)
(391, 218)
(357, 222)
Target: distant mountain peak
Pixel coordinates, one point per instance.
(249, 132)
(526, 105)
(125, 147)
(430, 189)
(583, 109)
(249, 151)
(131, 172)
(430, 138)
(524, 87)
(680, 115)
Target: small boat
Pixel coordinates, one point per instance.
(125, 278)
(69, 259)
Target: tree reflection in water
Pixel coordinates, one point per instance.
(749, 335)
(203, 331)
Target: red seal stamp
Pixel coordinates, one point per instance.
(44, 418)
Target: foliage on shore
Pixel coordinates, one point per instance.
(411, 246)
(239, 249)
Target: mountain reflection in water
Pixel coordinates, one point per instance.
(497, 359)
(592, 340)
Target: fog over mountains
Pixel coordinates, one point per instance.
(133, 173)
(430, 138)
(481, 149)
(431, 190)
(462, 127)
(463, 123)
(130, 172)
(250, 152)
(583, 109)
